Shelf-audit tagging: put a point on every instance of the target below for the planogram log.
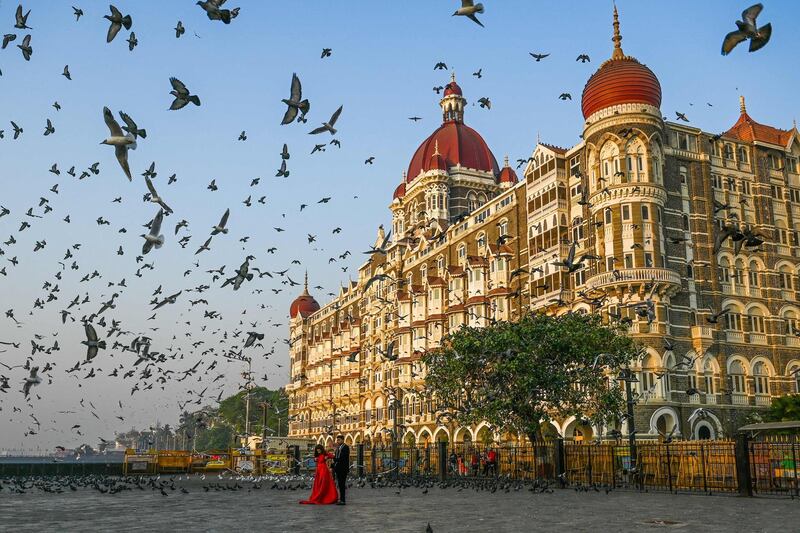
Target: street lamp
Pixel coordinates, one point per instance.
(628, 377)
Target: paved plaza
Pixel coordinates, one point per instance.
(382, 509)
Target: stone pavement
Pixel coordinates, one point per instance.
(447, 510)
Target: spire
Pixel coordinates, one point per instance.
(742, 107)
(617, 38)
(305, 285)
(436, 148)
(506, 160)
(453, 77)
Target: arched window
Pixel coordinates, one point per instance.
(708, 377)
(472, 201)
(756, 319)
(481, 240)
(790, 323)
(738, 273)
(794, 372)
(785, 278)
(482, 199)
(683, 173)
(423, 271)
(724, 270)
(502, 227)
(685, 220)
(734, 318)
(752, 274)
(462, 251)
(761, 378)
(648, 377)
(737, 376)
(742, 154)
(727, 152)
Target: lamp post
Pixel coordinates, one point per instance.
(264, 406)
(628, 377)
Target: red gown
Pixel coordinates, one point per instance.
(323, 491)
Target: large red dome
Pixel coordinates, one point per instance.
(620, 81)
(305, 304)
(458, 144)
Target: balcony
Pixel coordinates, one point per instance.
(792, 340)
(711, 399)
(763, 400)
(694, 398)
(758, 338)
(787, 295)
(738, 398)
(734, 336)
(634, 276)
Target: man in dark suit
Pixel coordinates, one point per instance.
(341, 467)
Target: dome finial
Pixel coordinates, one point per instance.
(453, 76)
(305, 284)
(618, 53)
(506, 160)
(742, 106)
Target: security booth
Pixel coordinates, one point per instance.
(770, 454)
(139, 462)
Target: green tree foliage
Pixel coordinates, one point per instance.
(517, 375)
(219, 437)
(232, 411)
(784, 409)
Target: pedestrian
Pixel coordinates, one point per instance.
(475, 463)
(491, 461)
(453, 459)
(462, 468)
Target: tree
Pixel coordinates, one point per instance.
(518, 375)
(218, 437)
(784, 409)
(232, 410)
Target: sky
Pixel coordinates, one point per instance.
(381, 71)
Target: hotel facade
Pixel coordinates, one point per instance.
(646, 197)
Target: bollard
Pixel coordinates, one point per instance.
(442, 452)
(296, 467)
(360, 459)
(560, 461)
(742, 454)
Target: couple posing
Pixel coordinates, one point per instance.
(323, 491)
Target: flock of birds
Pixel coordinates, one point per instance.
(146, 364)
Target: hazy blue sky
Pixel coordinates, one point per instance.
(381, 71)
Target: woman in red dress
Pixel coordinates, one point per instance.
(323, 491)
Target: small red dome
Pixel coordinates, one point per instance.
(400, 191)
(507, 175)
(620, 81)
(452, 88)
(457, 144)
(305, 304)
